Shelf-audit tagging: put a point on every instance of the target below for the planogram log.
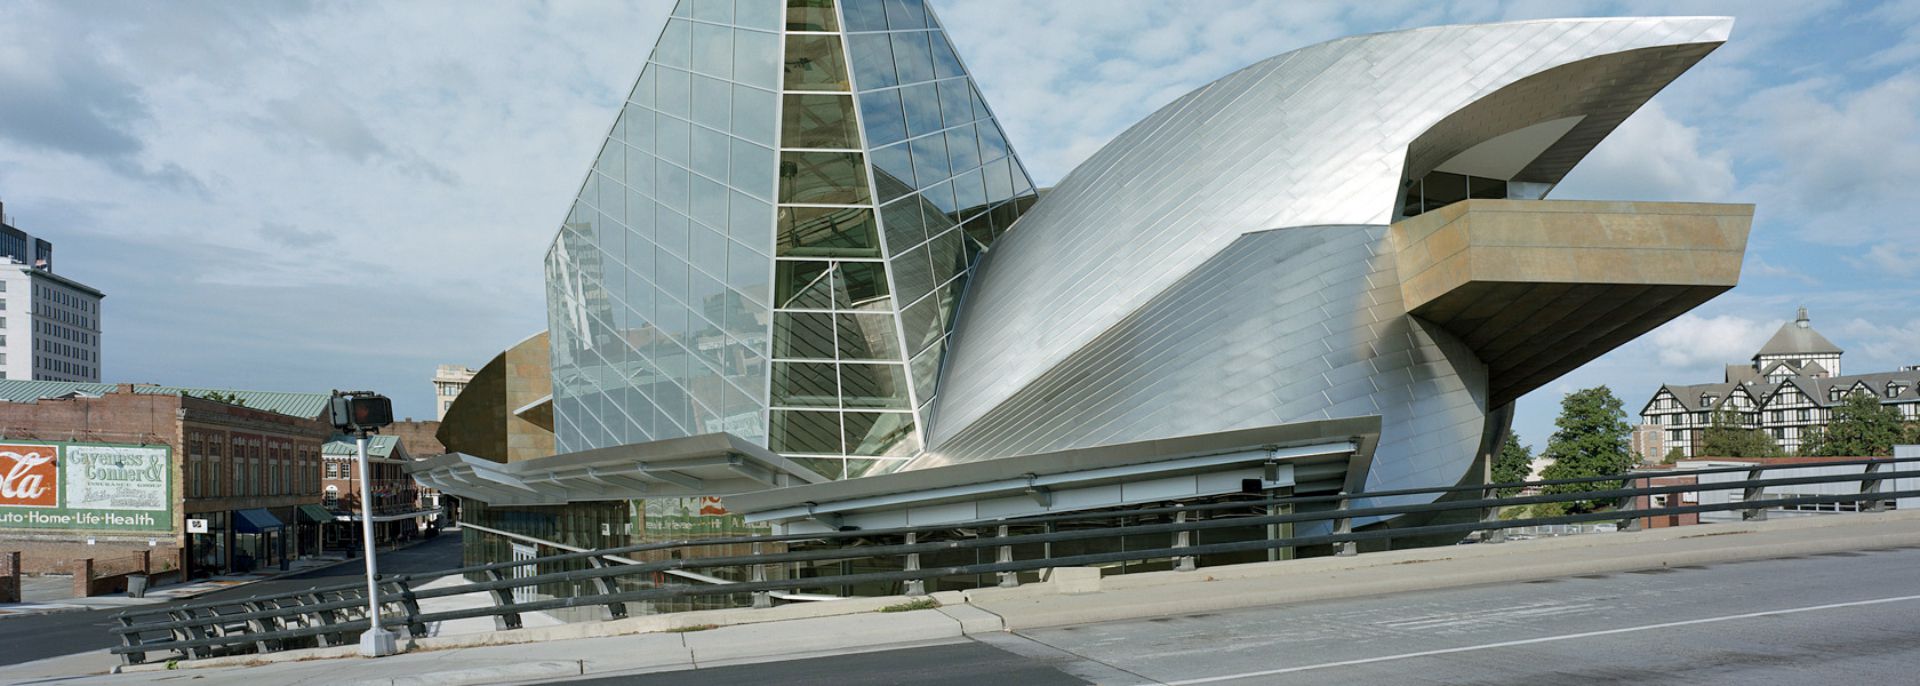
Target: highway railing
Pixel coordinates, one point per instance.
(782, 567)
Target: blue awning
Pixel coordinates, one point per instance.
(255, 521)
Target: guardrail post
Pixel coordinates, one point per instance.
(503, 598)
(1181, 539)
(1007, 579)
(761, 599)
(607, 586)
(259, 625)
(129, 639)
(192, 632)
(412, 605)
(915, 586)
(1754, 514)
(1629, 503)
(1491, 515)
(1870, 487)
(1342, 527)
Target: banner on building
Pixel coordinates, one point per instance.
(86, 487)
(666, 519)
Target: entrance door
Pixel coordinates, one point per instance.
(523, 552)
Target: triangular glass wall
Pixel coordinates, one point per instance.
(776, 234)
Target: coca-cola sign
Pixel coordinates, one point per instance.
(29, 476)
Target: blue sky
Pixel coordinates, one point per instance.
(296, 196)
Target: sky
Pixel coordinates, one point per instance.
(306, 196)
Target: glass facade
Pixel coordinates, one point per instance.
(776, 234)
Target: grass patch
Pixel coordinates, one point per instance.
(696, 627)
(911, 605)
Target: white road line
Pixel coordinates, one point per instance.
(1544, 639)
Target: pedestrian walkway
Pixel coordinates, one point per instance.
(170, 592)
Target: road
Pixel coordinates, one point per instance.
(1841, 617)
(36, 637)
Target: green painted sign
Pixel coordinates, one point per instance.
(86, 487)
(668, 519)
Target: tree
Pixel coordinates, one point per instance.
(1590, 439)
(1860, 427)
(228, 398)
(1674, 454)
(1728, 436)
(1513, 464)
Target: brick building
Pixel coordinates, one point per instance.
(198, 485)
(398, 510)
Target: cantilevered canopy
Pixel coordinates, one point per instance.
(708, 464)
(1326, 456)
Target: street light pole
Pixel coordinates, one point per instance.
(376, 642)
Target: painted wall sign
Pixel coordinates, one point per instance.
(86, 487)
(691, 517)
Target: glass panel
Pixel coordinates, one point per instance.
(865, 285)
(640, 210)
(713, 50)
(828, 178)
(872, 60)
(893, 168)
(752, 169)
(881, 114)
(709, 254)
(969, 195)
(710, 150)
(945, 62)
(1440, 189)
(756, 59)
(819, 121)
(930, 159)
(757, 14)
(814, 64)
(753, 117)
(673, 282)
(672, 231)
(906, 14)
(867, 337)
(864, 15)
(805, 432)
(913, 274)
(910, 57)
(710, 204)
(879, 386)
(714, 10)
(674, 92)
(1493, 189)
(804, 384)
(673, 49)
(947, 255)
(803, 335)
(903, 223)
(827, 232)
(675, 187)
(640, 126)
(954, 104)
(811, 15)
(940, 209)
(644, 89)
(993, 145)
(923, 109)
(963, 150)
(921, 322)
(712, 102)
(926, 371)
(999, 178)
(749, 222)
(879, 433)
(803, 285)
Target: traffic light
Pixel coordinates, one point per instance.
(360, 411)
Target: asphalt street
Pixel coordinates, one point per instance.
(1851, 617)
(35, 637)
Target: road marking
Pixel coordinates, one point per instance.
(1544, 639)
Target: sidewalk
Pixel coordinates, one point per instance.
(1073, 596)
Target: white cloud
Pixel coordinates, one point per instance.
(1651, 156)
(1692, 340)
(1879, 345)
(1892, 260)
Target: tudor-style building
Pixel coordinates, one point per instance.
(1792, 384)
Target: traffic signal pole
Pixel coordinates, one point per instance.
(376, 642)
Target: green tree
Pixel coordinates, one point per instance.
(1590, 439)
(228, 398)
(1860, 427)
(1514, 463)
(1674, 454)
(1728, 436)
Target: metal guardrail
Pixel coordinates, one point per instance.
(335, 615)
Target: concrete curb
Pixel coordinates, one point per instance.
(690, 639)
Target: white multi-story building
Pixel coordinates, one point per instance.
(49, 324)
(448, 381)
(1792, 385)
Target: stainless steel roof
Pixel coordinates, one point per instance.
(707, 464)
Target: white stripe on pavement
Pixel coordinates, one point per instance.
(1544, 639)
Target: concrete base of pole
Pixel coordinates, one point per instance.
(378, 643)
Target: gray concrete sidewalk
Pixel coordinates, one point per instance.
(644, 644)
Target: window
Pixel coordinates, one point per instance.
(332, 497)
(1806, 415)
